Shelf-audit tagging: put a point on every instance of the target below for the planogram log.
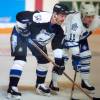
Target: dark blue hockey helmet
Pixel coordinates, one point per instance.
(61, 8)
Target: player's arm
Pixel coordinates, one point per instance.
(74, 46)
(23, 21)
(72, 42)
(57, 51)
(85, 35)
(72, 35)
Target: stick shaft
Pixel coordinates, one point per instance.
(72, 90)
(46, 56)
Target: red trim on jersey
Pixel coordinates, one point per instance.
(38, 4)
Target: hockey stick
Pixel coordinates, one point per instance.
(72, 90)
(46, 56)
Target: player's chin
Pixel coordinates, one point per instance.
(60, 22)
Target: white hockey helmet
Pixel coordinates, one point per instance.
(87, 10)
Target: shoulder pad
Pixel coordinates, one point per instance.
(42, 17)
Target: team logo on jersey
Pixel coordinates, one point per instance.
(74, 26)
(37, 17)
(44, 37)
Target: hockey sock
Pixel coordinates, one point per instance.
(13, 81)
(41, 73)
(55, 78)
(40, 80)
(15, 72)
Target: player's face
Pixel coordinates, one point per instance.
(88, 20)
(60, 18)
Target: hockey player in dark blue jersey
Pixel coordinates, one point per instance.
(41, 28)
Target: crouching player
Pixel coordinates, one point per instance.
(42, 28)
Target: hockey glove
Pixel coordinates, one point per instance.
(85, 35)
(23, 29)
(76, 62)
(59, 70)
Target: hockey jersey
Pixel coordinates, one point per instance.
(74, 29)
(39, 25)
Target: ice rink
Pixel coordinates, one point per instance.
(27, 82)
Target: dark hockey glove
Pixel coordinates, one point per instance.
(85, 35)
(76, 62)
(59, 70)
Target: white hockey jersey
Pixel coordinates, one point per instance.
(74, 29)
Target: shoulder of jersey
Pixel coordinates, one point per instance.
(74, 17)
(76, 14)
(42, 17)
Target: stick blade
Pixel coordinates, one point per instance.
(94, 98)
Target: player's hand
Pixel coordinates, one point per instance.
(23, 29)
(76, 62)
(59, 70)
(85, 35)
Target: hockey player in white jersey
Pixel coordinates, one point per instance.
(40, 27)
(78, 27)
